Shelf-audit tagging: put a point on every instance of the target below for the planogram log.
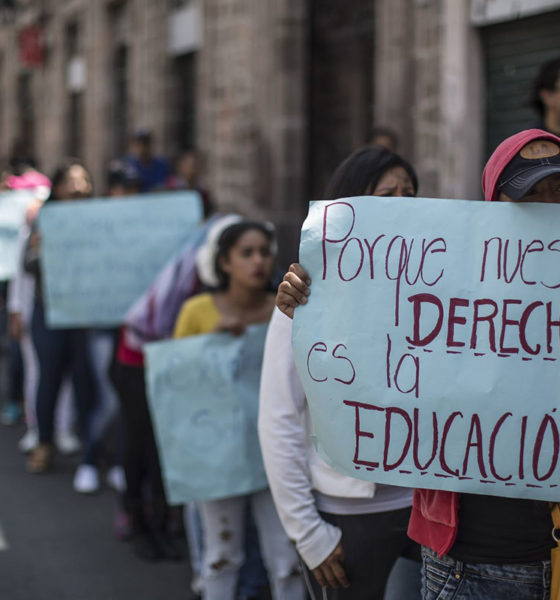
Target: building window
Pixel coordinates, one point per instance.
(119, 121)
(184, 127)
(26, 117)
(118, 117)
(75, 88)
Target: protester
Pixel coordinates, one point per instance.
(349, 532)
(143, 497)
(545, 97)
(152, 171)
(186, 177)
(58, 350)
(9, 347)
(385, 137)
(239, 269)
(21, 294)
(11, 408)
(478, 546)
(122, 180)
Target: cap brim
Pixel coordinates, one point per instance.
(518, 187)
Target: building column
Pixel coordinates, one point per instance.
(252, 105)
(462, 104)
(394, 75)
(97, 93)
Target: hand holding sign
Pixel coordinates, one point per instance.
(293, 290)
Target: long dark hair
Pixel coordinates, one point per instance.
(545, 80)
(60, 174)
(362, 170)
(227, 241)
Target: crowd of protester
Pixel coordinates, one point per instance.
(314, 532)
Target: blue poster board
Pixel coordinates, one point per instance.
(13, 207)
(98, 256)
(429, 349)
(203, 394)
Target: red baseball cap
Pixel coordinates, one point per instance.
(513, 170)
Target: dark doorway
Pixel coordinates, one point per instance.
(341, 84)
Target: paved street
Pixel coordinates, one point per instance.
(58, 545)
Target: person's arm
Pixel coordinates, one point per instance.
(31, 253)
(283, 442)
(293, 290)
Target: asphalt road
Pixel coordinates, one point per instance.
(56, 544)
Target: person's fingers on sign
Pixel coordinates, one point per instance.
(293, 290)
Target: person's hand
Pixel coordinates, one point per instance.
(330, 572)
(32, 211)
(293, 290)
(15, 326)
(34, 240)
(229, 324)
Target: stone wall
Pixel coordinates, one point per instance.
(284, 90)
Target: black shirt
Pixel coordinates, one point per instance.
(502, 530)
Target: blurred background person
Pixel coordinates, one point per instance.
(21, 294)
(153, 171)
(545, 98)
(383, 136)
(59, 351)
(122, 180)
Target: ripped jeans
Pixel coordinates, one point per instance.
(223, 525)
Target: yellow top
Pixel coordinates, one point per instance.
(198, 315)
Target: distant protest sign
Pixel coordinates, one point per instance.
(98, 256)
(204, 393)
(429, 348)
(13, 207)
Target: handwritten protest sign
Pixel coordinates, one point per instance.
(98, 256)
(203, 396)
(13, 206)
(429, 350)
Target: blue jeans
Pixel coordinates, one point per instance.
(449, 579)
(105, 409)
(60, 351)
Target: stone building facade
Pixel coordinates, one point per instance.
(274, 93)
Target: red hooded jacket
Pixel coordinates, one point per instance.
(434, 519)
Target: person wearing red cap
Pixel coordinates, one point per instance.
(477, 546)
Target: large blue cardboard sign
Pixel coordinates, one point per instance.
(429, 349)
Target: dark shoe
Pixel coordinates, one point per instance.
(145, 547)
(169, 548)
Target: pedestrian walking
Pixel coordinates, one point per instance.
(59, 351)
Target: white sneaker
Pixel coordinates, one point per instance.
(86, 479)
(28, 441)
(116, 479)
(66, 442)
(197, 585)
